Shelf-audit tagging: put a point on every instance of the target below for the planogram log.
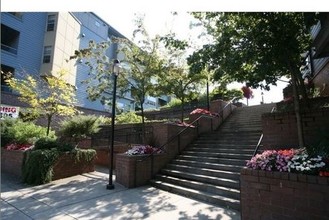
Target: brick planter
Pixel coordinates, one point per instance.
(11, 161)
(131, 172)
(66, 166)
(103, 156)
(282, 195)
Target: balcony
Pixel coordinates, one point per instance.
(320, 35)
(9, 49)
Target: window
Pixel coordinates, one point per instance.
(9, 39)
(5, 72)
(51, 22)
(47, 54)
(18, 15)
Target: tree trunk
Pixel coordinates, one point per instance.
(297, 111)
(143, 123)
(48, 123)
(182, 110)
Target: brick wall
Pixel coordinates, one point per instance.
(282, 195)
(11, 161)
(280, 129)
(130, 172)
(66, 166)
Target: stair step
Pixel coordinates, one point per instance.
(203, 178)
(227, 167)
(209, 188)
(220, 150)
(198, 195)
(219, 155)
(213, 160)
(204, 171)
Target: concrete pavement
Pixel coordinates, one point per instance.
(86, 197)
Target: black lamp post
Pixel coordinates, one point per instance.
(115, 71)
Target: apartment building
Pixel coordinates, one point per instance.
(41, 42)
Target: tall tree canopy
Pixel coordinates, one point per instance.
(253, 47)
(256, 47)
(46, 96)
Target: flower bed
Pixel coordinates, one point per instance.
(142, 150)
(285, 184)
(293, 160)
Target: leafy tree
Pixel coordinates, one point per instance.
(176, 78)
(140, 63)
(256, 47)
(47, 96)
(143, 63)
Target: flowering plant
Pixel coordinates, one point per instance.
(15, 146)
(179, 123)
(247, 92)
(305, 164)
(203, 111)
(143, 149)
(293, 160)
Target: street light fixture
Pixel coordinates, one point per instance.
(115, 71)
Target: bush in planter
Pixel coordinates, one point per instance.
(79, 127)
(38, 164)
(15, 130)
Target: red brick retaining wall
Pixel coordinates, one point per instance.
(283, 195)
(11, 161)
(66, 166)
(280, 129)
(132, 173)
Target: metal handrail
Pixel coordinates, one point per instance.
(261, 137)
(190, 125)
(179, 133)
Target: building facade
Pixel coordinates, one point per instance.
(40, 43)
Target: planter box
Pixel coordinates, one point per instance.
(131, 172)
(66, 166)
(11, 161)
(103, 156)
(282, 195)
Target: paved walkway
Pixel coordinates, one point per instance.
(86, 197)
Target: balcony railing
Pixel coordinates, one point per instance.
(9, 49)
(315, 30)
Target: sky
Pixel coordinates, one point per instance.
(158, 19)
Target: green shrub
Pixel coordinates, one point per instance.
(22, 132)
(38, 166)
(79, 127)
(128, 118)
(46, 143)
(64, 147)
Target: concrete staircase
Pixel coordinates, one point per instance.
(209, 168)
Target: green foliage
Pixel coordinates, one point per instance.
(87, 155)
(47, 96)
(174, 103)
(240, 53)
(38, 166)
(128, 118)
(46, 143)
(322, 146)
(79, 127)
(225, 94)
(22, 132)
